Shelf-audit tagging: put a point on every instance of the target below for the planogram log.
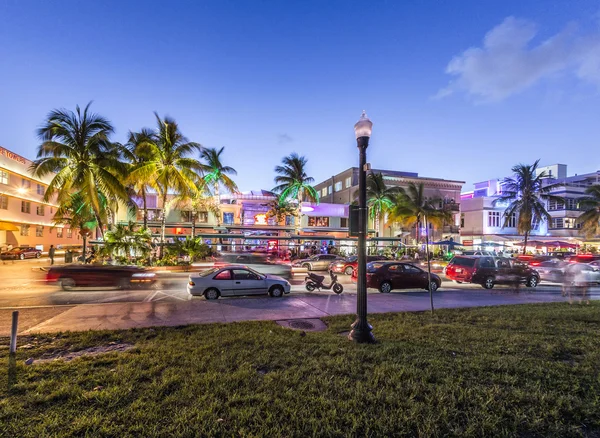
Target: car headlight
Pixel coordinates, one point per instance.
(144, 275)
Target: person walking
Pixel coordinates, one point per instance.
(51, 252)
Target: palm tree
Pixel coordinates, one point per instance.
(281, 208)
(77, 215)
(76, 147)
(412, 207)
(216, 174)
(136, 153)
(169, 165)
(128, 239)
(380, 198)
(293, 182)
(526, 194)
(199, 202)
(590, 218)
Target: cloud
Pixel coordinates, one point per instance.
(284, 139)
(509, 62)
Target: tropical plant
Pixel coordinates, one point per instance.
(192, 247)
(136, 152)
(281, 208)
(412, 207)
(199, 202)
(128, 240)
(293, 182)
(380, 198)
(169, 165)
(590, 218)
(77, 148)
(526, 193)
(216, 175)
(77, 215)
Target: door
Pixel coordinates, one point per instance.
(323, 262)
(248, 283)
(415, 277)
(396, 276)
(224, 282)
(504, 271)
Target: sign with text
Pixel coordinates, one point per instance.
(12, 156)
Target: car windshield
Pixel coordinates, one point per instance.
(207, 272)
(463, 261)
(352, 259)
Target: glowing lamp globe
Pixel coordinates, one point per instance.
(363, 127)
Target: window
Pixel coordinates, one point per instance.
(39, 210)
(202, 217)
(572, 204)
(153, 214)
(223, 275)
(39, 231)
(24, 230)
(40, 190)
(186, 216)
(228, 218)
(318, 221)
(512, 221)
(557, 222)
(535, 224)
(3, 202)
(25, 183)
(344, 222)
(330, 189)
(553, 205)
(338, 186)
(411, 269)
(324, 191)
(570, 222)
(289, 220)
(348, 182)
(395, 269)
(25, 207)
(3, 177)
(59, 232)
(69, 233)
(493, 219)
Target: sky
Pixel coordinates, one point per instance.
(461, 90)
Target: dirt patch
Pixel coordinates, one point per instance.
(92, 351)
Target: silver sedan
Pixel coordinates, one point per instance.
(235, 280)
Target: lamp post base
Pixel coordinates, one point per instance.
(361, 333)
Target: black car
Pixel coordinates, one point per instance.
(488, 271)
(387, 276)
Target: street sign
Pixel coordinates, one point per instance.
(467, 243)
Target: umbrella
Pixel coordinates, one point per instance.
(559, 244)
(446, 242)
(530, 243)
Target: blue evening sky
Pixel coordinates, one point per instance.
(456, 89)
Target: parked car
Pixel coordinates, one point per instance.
(551, 270)
(124, 277)
(319, 262)
(235, 280)
(387, 276)
(489, 271)
(349, 265)
(260, 262)
(21, 253)
(581, 274)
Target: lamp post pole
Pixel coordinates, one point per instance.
(361, 329)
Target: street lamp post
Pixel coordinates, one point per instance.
(361, 329)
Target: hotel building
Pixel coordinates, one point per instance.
(25, 219)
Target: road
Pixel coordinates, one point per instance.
(22, 284)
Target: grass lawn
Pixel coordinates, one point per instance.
(530, 370)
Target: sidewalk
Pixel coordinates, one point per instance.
(199, 311)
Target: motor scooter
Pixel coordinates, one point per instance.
(314, 281)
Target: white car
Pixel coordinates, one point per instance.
(236, 280)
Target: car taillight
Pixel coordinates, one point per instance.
(191, 283)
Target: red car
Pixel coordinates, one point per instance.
(124, 277)
(387, 276)
(21, 253)
(349, 265)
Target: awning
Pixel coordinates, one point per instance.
(7, 226)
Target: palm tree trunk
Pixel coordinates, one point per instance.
(100, 225)
(418, 231)
(218, 196)
(193, 224)
(525, 242)
(145, 208)
(163, 224)
(84, 237)
(428, 264)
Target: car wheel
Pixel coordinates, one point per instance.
(385, 288)
(67, 283)
(38, 255)
(459, 282)
(532, 281)
(124, 283)
(22, 256)
(349, 270)
(433, 286)
(276, 291)
(310, 286)
(211, 294)
(338, 288)
(306, 266)
(488, 283)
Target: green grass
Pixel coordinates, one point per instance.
(504, 371)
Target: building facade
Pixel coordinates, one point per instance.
(343, 189)
(25, 219)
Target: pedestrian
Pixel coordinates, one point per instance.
(51, 252)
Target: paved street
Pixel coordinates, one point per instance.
(47, 308)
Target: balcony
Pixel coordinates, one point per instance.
(451, 229)
(452, 206)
